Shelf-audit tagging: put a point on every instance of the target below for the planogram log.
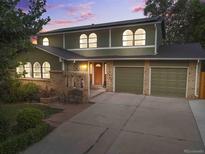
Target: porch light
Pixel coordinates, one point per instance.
(83, 67)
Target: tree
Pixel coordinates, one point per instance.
(16, 27)
(182, 19)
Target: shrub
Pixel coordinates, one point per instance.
(4, 127)
(19, 142)
(29, 118)
(29, 91)
(15, 91)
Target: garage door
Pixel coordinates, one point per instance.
(168, 81)
(129, 79)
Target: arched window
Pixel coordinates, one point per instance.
(28, 70)
(37, 70)
(83, 41)
(45, 41)
(20, 69)
(127, 38)
(46, 70)
(140, 37)
(92, 40)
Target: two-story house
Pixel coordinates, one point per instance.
(125, 56)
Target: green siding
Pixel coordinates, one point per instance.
(73, 39)
(118, 32)
(168, 82)
(129, 63)
(54, 40)
(169, 63)
(35, 55)
(129, 79)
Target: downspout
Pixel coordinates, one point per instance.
(196, 79)
(88, 79)
(155, 51)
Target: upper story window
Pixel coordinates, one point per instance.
(83, 41)
(92, 40)
(37, 70)
(140, 37)
(45, 41)
(28, 70)
(46, 70)
(127, 38)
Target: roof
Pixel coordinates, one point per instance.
(105, 25)
(191, 51)
(60, 52)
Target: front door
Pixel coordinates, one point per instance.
(98, 73)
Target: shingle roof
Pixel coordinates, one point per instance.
(191, 51)
(104, 25)
(60, 52)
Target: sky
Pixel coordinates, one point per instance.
(70, 13)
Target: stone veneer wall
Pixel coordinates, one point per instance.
(146, 78)
(109, 76)
(191, 79)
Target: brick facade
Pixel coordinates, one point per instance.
(146, 78)
(109, 77)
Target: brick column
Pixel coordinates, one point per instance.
(191, 79)
(109, 76)
(146, 78)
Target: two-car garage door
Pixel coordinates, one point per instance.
(163, 81)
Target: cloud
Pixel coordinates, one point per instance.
(55, 6)
(138, 8)
(60, 22)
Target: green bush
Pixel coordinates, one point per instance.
(15, 91)
(29, 91)
(19, 142)
(29, 118)
(4, 127)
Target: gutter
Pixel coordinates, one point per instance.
(155, 51)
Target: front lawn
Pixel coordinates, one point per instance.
(16, 140)
(11, 110)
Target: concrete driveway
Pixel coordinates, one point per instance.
(126, 124)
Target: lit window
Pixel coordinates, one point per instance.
(20, 69)
(83, 41)
(127, 38)
(92, 40)
(28, 70)
(140, 37)
(46, 70)
(37, 70)
(45, 42)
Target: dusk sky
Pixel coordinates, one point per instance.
(69, 13)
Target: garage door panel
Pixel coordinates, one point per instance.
(129, 79)
(168, 81)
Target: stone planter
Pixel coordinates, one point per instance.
(49, 99)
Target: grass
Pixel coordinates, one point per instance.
(11, 110)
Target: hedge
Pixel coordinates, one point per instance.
(19, 142)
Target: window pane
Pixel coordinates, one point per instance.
(140, 37)
(92, 40)
(83, 41)
(20, 70)
(45, 42)
(37, 70)
(127, 38)
(28, 70)
(46, 70)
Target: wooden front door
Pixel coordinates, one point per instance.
(98, 73)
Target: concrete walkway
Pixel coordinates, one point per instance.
(198, 109)
(126, 124)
